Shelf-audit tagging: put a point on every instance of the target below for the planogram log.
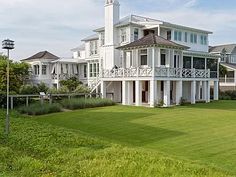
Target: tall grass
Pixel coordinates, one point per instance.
(82, 103)
(39, 109)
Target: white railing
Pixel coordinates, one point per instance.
(227, 80)
(64, 76)
(158, 72)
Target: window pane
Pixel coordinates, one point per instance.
(186, 62)
(143, 59)
(198, 63)
(163, 59)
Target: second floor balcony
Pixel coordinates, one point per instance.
(158, 72)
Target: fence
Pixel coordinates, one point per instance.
(49, 97)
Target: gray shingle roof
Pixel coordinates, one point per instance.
(43, 55)
(90, 38)
(229, 65)
(81, 47)
(151, 40)
(229, 48)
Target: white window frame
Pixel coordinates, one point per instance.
(44, 70)
(186, 37)
(123, 35)
(143, 52)
(93, 47)
(102, 39)
(136, 34)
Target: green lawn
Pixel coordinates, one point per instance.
(119, 141)
(205, 132)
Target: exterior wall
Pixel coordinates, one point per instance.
(193, 47)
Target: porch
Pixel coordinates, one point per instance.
(158, 92)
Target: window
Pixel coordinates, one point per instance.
(143, 57)
(102, 39)
(176, 61)
(44, 69)
(178, 36)
(187, 62)
(85, 71)
(136, 33)
(163, 59)
(169, 35)
(78, 54)
(94, 69)
(198, 63)
(193, 38)
(203, 40)
(185, 37)
(123, 35)
(36, 69)
(93, 48)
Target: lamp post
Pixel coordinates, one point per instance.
(8, 45)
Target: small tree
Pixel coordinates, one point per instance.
(223, 71)
(71, 83)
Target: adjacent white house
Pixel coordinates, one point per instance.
(139, 61)
(227, 55)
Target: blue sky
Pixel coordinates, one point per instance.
(59, 25)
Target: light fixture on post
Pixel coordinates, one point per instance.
(8, 45)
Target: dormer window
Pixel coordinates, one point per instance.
(123, 35)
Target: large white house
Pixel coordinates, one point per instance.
(227, 55)
(142, 61)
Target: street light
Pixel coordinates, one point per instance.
(8, 45)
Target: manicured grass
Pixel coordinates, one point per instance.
(38, 149)
(205, 133)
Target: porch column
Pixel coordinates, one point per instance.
(216, 90)
(208, 92)
(193, 92)
(204, 90)
(138, 93)
(124, 92)
(103, 89)
(179, 91)
(166, 93)
(198, 90)
(158, 57)
(153, 92)
(130, 93)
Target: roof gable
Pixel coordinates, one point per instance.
(43, 55)
(228, 48)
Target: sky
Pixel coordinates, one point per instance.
(59, 25)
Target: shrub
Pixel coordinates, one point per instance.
(28, 89)
(42, 87)
(228, 95)
(61, 90)
(82, 89)
(82, 103)
(38, 109)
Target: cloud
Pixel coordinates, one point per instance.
(59, 25)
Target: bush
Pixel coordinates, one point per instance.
(42, 87)
(82, 103)
(28, 90)
(82, 89)
(38, 109)
(228, 95)
(61, 90)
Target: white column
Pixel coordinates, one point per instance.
(235, 77)
(153, 60)
(179, 91)
(204, 90)
(138, 93)
(153, 92)
(193, 92)
(103, 89)
(198, 91)
(208, 92)
(216, 90)
(130, 93)
(158, 57)
(124, 92)
(166, 93)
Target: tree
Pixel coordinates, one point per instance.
(18, 74)
(71, 83)
(223, 71)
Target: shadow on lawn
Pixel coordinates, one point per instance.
(118, 127)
